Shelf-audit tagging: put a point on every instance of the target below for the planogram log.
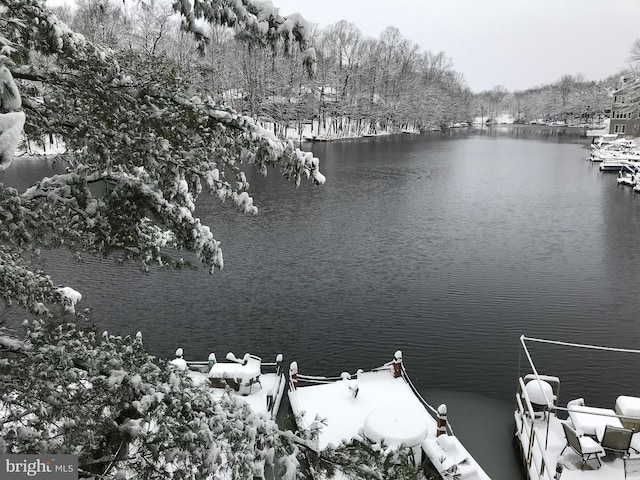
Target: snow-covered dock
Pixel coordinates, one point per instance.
(382, 407)
(260, 384)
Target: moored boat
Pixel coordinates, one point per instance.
(610, 166)
(579, 440)
(604, 148)
(613, 152)
(627, 178)
(319, 138)
(260, 384)
(381, 407)
(625, 163)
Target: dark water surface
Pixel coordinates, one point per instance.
(448, 248)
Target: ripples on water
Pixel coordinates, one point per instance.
(448, 248)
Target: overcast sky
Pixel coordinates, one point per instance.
(515, 43)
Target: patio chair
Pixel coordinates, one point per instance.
(586, 447)
(617, 440)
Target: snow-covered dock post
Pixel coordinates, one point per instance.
(293, 375)
(442, 420)
(279, 364)
(179, 362)
(397, 364)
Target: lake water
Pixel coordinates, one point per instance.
(447, 247)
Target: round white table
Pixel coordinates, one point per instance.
(396, 425)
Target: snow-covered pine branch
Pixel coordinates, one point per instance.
(257, 21)
(130, 122)
(105, 399)
(19, 283)
(121, 410)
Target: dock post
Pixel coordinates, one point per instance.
(293, 375)
(270, 401)
(397, 364)
(442, 420)
(211, 361)
(279, 364)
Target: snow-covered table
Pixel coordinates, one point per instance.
(246, 375)
(593, 420)
(395, 425)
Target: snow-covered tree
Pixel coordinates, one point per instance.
(140, 147)
(634, 56)
(126, 414)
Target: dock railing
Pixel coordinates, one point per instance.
(294, 379)
(318, 380)
(533, 451)
(432, 411)
(533, 445)
(273, 404)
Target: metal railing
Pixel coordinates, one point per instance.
(533, 451)
(432, 411)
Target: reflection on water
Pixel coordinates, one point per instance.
(535, 132)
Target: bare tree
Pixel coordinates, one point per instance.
(634, 56)
(342, 40)
(101, 22)
(152, 25)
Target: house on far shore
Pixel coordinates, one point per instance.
(625, 109)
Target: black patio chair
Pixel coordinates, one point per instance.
(586, 447)
(617, 440)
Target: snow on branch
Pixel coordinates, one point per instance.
(257, 21)
(70, 297)
(264, 148)
(18, 283)
(11, 118)
(129, 125)
(12, 343)
(189, 231)
(93, 395)
(45, 33)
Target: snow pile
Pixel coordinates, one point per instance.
(70, 297)
(246, 375)
(11, 119)
(449, 457)
(387, 399)
(9, 95)
(10, 134)
(396, 425)
(13, 343)
(179, 363)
